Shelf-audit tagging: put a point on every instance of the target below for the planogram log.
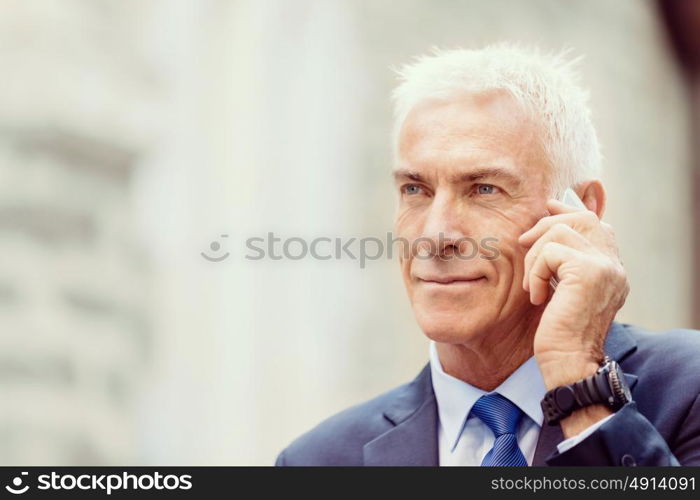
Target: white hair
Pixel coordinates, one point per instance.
(545, 85)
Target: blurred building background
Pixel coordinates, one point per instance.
(134, 134)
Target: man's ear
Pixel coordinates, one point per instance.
(593, 195)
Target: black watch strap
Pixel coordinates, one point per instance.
(560, 402)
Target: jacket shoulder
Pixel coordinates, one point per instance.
(679, 348)
(339, 439)
(665, 363)
(668, 384)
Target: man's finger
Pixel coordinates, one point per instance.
(576, 219)
(552, 256)
(559, 233)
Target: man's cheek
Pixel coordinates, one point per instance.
(407, 216)
(518, 270)
(495, 245)
(509, 262)
(489, 248)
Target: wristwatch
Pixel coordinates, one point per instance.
(607, 386)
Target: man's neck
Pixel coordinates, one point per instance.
(487, 363)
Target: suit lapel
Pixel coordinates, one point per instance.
(618, 344)
(413, 438)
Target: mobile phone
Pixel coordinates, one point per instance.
(568, 197)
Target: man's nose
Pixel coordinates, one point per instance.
(445, 227)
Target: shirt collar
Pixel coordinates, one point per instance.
(455, 398)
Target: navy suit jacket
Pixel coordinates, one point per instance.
(660, 427)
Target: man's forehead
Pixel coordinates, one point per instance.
(468, 142)
(478, 155)
(476, 138)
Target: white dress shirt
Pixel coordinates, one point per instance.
(464, 439)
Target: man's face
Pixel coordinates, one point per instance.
(470, 167)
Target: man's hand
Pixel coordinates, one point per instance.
(578, 249)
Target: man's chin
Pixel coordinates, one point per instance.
(449, 328)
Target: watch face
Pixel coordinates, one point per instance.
(620, 388)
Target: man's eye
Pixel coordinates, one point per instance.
(411, 189)
(486, 189)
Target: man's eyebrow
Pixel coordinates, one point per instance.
(474, 175)
(401, 173)
(487, 173)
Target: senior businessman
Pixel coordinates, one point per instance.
(527, 365)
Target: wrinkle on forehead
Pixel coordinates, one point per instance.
(472, 129)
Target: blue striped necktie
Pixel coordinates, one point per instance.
(502, 417)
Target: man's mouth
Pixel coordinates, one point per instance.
(451, 280)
